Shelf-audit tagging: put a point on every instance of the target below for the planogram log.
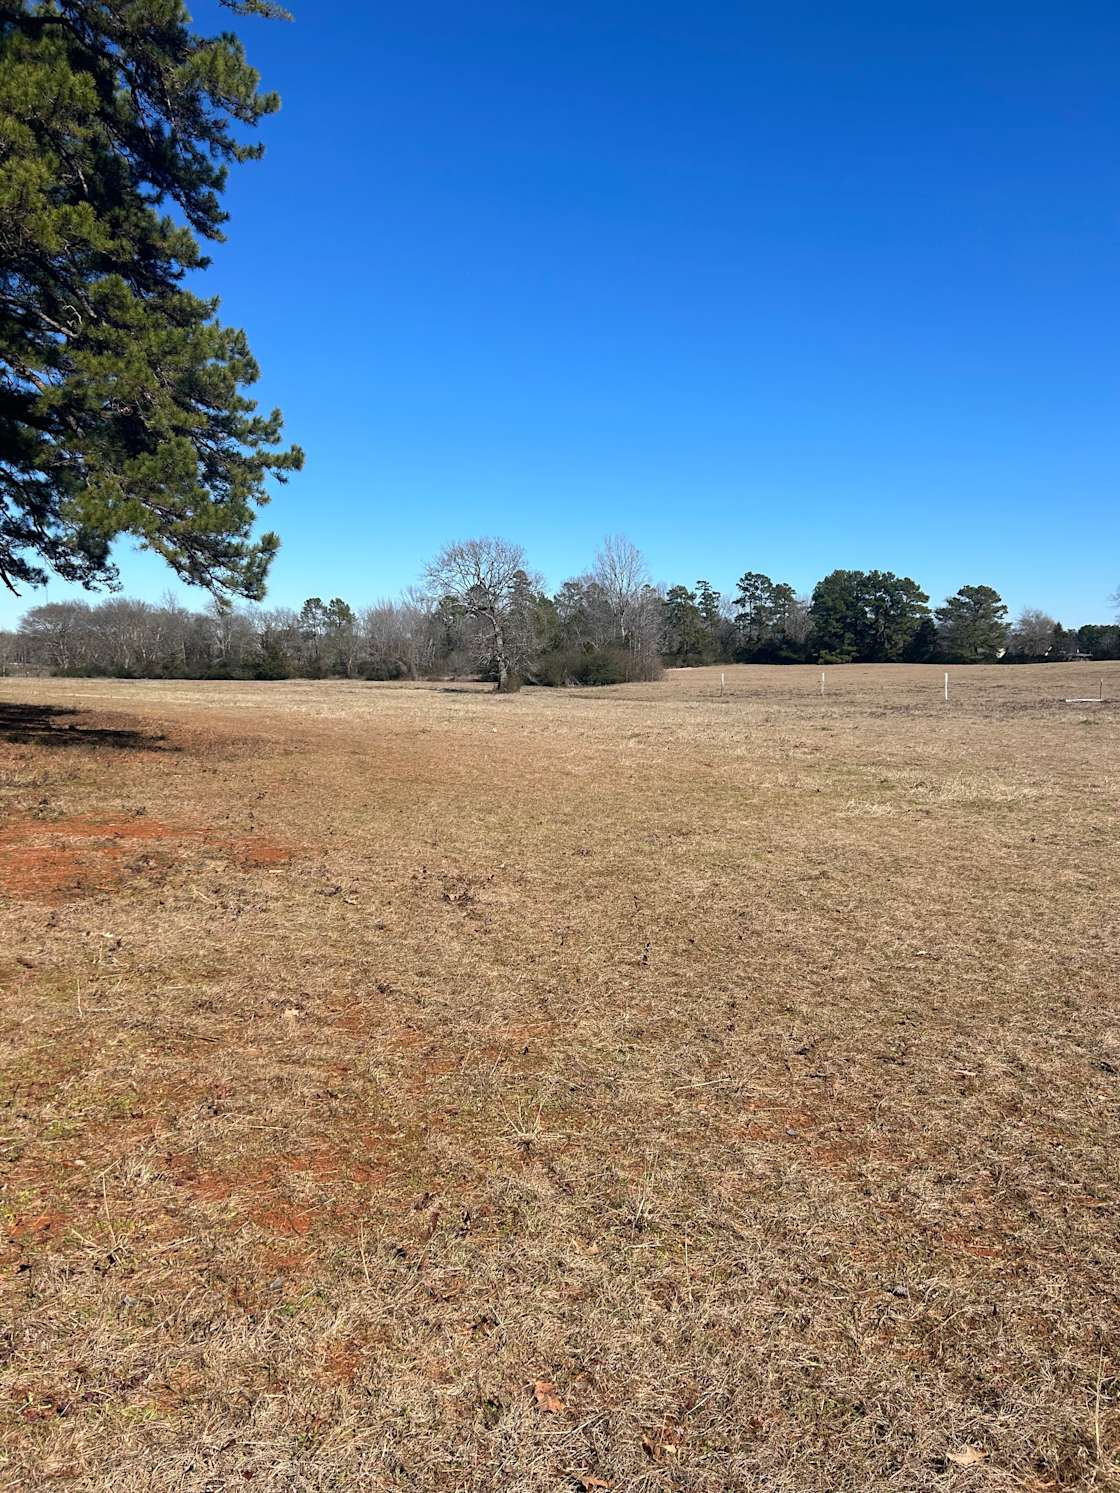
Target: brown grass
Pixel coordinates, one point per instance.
(408, 1088)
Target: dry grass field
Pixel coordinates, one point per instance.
(636, 1089)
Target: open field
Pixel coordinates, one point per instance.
(415, 1089)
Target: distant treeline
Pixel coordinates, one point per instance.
(482, 613)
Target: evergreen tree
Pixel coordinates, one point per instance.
(754, 606)
(121, 403)
(973, 625)
(922, 646)
(870, 616)
(1099, 640)
(339, 615)
(707, 601)
(782, 601)
(1063, 644)
(685, 639)
(896, 606)
(313, 618)
(839, 617)
(763, 612)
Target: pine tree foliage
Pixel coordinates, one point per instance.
(122, 404)
(973, 625)
(871, 615)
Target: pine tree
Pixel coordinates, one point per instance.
(869, 616)
(685, 638)
(707, 600)
(754, 605)
(121, 403)
(973, 625)
(839, 617)
(896, 608)
(922, 646)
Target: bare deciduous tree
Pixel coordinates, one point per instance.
(620, 569)
(399, 636)
(59, 633)
(486, 580)
(798, 620)
(1033, 634)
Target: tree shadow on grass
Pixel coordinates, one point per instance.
(47, 725)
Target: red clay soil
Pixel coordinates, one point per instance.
(59, 860)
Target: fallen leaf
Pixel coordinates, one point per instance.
(658, 1445)
(968, 1456)
(544, 1392)
(36, 1227)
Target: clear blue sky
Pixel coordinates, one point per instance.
(776, 287)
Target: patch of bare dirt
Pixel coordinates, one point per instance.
(60, 860)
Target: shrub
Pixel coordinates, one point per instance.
(271, 664)
(381, 669)
(592, 666)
